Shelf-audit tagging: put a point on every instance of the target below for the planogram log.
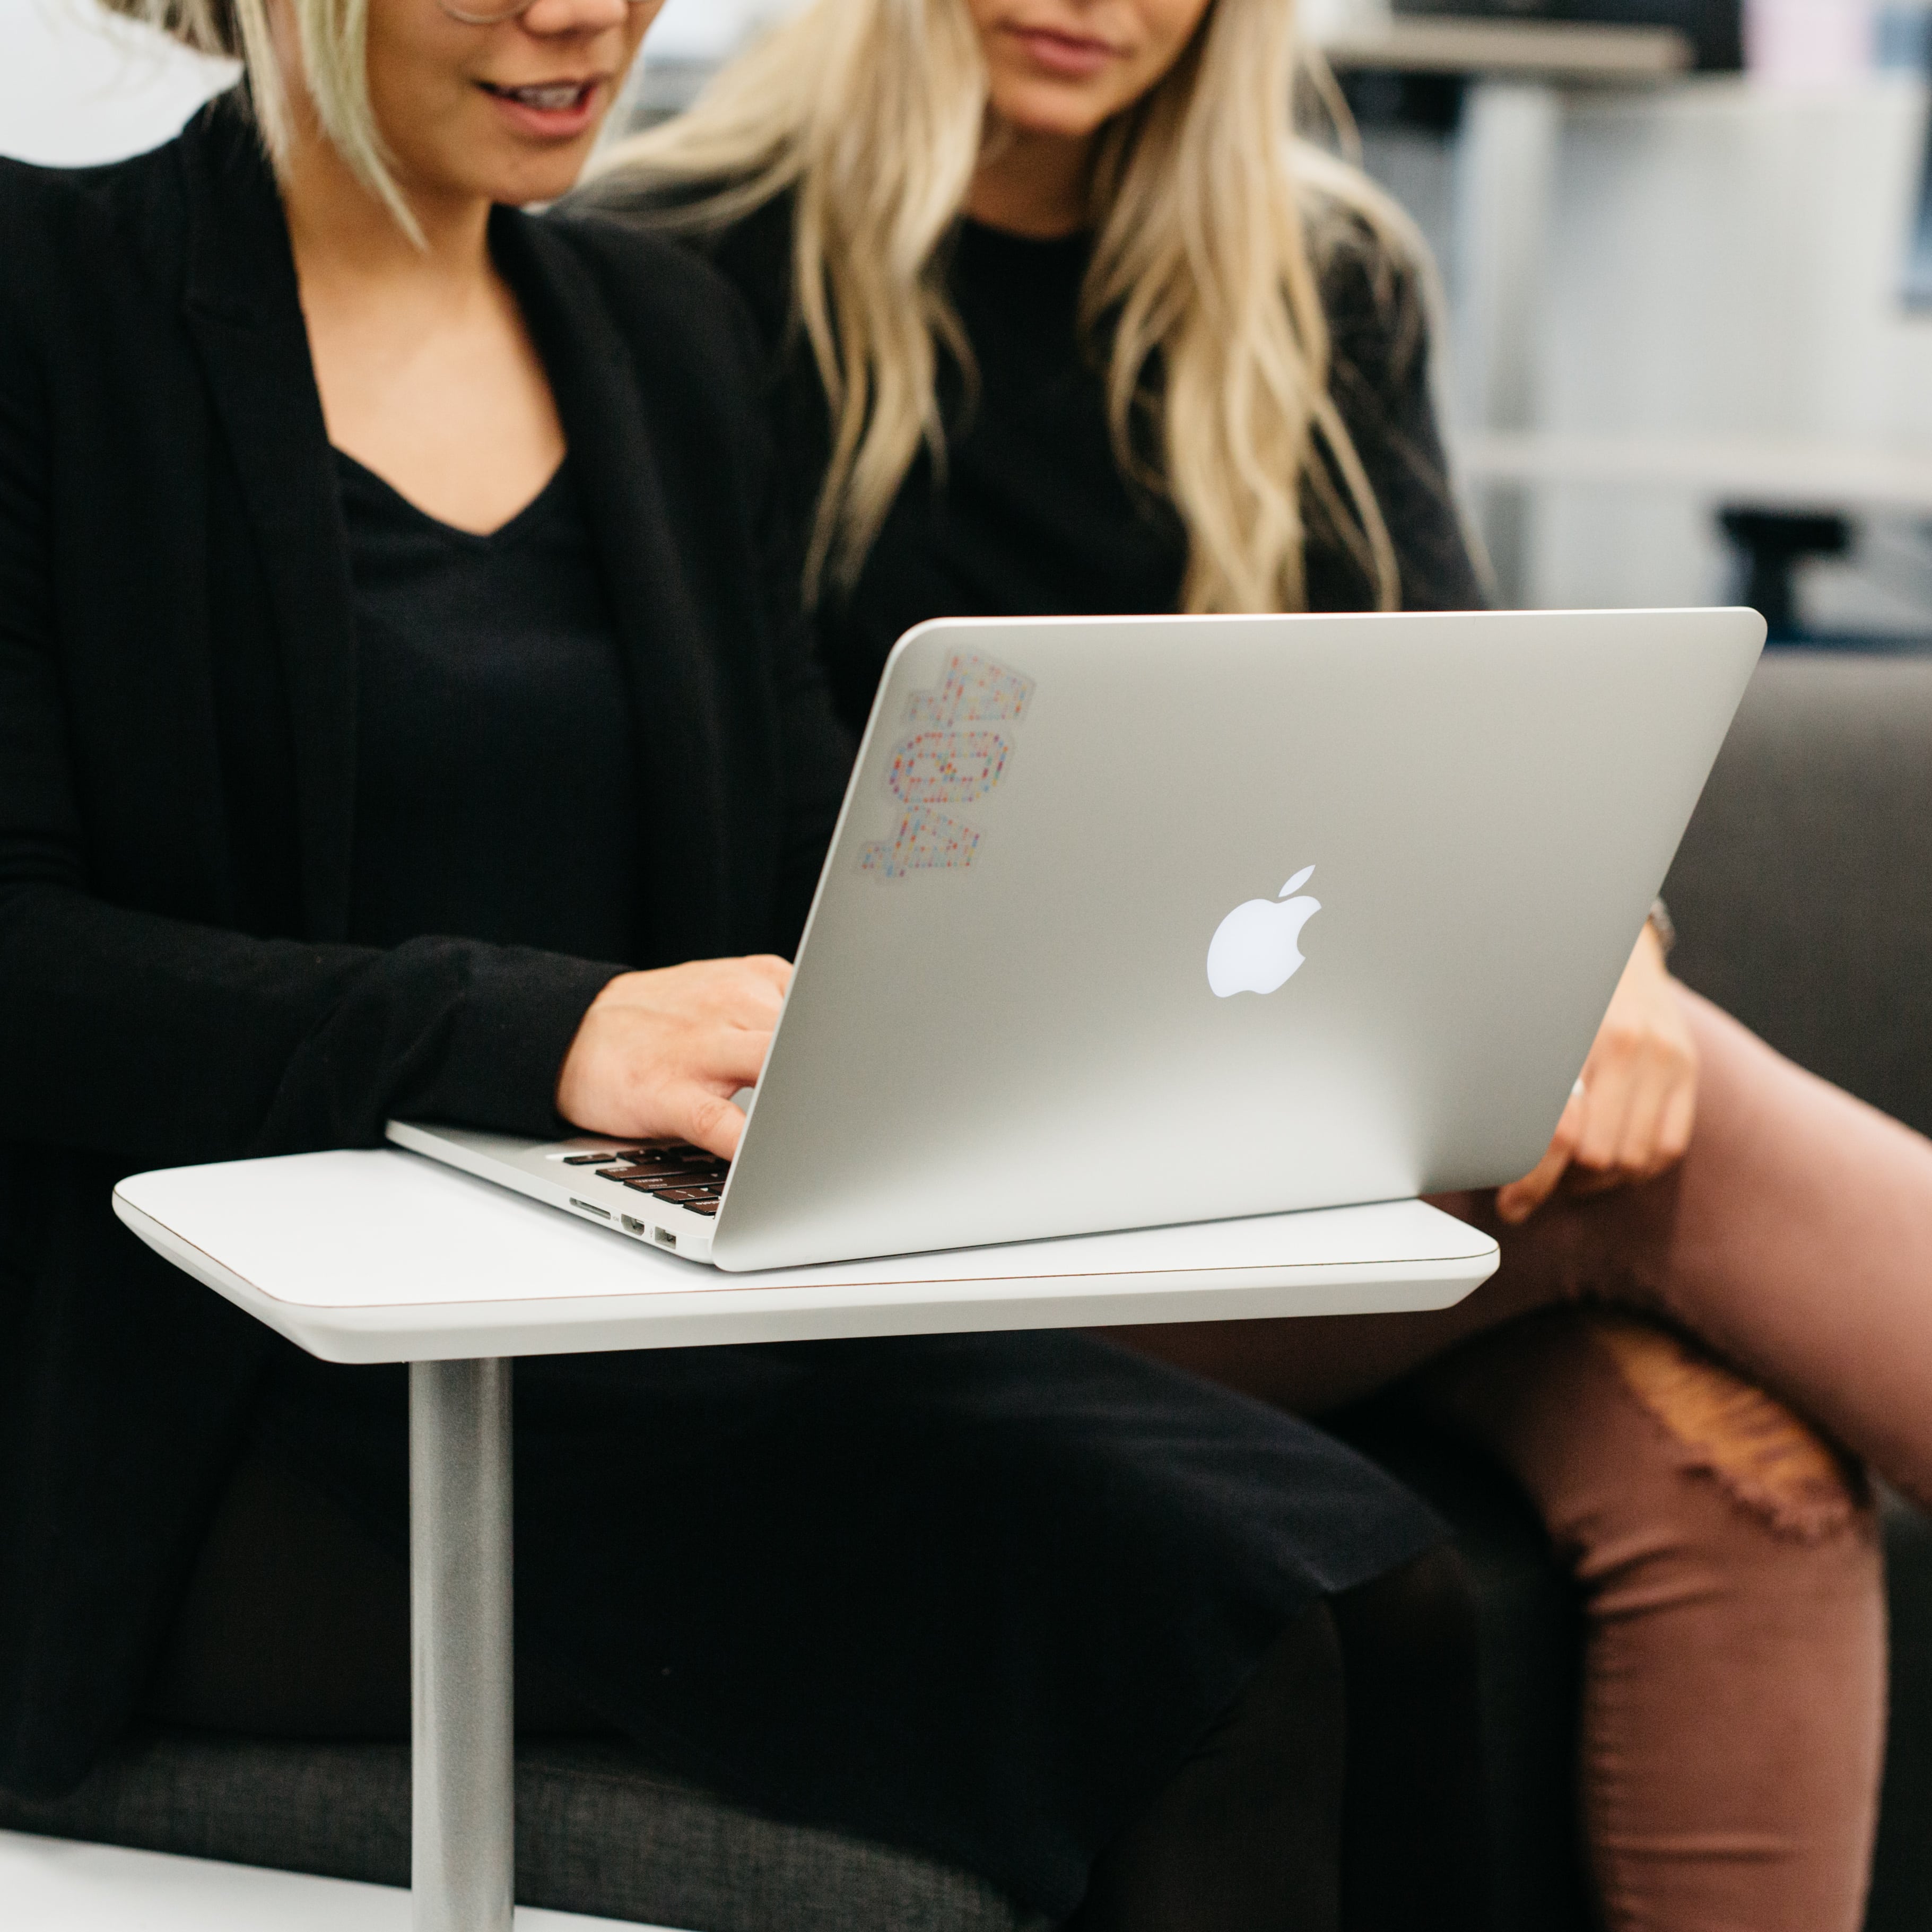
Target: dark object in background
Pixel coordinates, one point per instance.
(1771, 544)
(1380, 97)
(1715, 28)
(1916, 290)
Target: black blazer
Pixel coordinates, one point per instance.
(177, 758)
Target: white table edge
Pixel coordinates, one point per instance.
(707, 1315)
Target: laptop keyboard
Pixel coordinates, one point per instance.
(687, 1177)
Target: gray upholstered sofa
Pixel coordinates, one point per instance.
(1804, 896)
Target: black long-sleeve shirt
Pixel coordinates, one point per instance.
(497, 769)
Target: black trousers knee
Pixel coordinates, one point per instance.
(1342, 1789)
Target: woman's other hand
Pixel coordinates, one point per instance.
(1630, 1116)
(659, 1055)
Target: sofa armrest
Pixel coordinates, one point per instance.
(1802, 892)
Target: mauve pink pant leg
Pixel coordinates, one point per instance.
(1733, 1724)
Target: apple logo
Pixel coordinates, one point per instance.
(1255, 948)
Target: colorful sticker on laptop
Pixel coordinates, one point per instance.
(947, 767)
(922, 841)
(972, 689)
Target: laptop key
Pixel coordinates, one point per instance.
(683, 1196)
(588, 1159)
(702, 1207)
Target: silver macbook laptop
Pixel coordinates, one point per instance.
(1134, 921)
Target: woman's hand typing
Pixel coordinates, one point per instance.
(660, 1054)
(1630, 1116)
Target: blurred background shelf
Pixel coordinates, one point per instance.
(1793, 473)
(1570, 53)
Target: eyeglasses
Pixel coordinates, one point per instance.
(495, 17)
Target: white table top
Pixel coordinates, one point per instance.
(386, 1257)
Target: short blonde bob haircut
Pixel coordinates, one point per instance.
(1213, 222)
(333, 36)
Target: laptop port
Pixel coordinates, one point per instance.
(602, 1214)
(663, 1238)
(632, 1226)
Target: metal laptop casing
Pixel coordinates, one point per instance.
(543, 1170)
(1001, 1026)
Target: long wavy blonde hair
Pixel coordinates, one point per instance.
(1212, 221)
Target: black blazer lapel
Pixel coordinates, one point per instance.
(243, 310)
(664, 631)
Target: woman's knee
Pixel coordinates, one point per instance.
(1608, 1419)
(1422, 1616)
(1781, 1469)
(1244, 1836)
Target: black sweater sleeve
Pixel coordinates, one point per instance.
(164, 1040)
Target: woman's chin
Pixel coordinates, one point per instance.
(1048, 113)
(546, 179)
(520, 173)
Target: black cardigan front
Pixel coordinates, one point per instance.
(177, 771)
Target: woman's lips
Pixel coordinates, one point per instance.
(1064, 54)
(557, 110)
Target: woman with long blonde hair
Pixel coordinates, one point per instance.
(1061, 316)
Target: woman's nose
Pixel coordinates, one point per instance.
(548, 17)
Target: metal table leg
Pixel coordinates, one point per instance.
(463, 1860)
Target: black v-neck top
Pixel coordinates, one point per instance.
(497, 782)
(1031, 513)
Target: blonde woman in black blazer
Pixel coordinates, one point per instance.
(384, 603)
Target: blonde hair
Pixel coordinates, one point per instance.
(1209, 216)
(333, 36)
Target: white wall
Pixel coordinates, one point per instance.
(77, 85)
(706, 30)
(1724, 259)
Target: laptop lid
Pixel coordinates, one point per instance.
(1131, 921)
